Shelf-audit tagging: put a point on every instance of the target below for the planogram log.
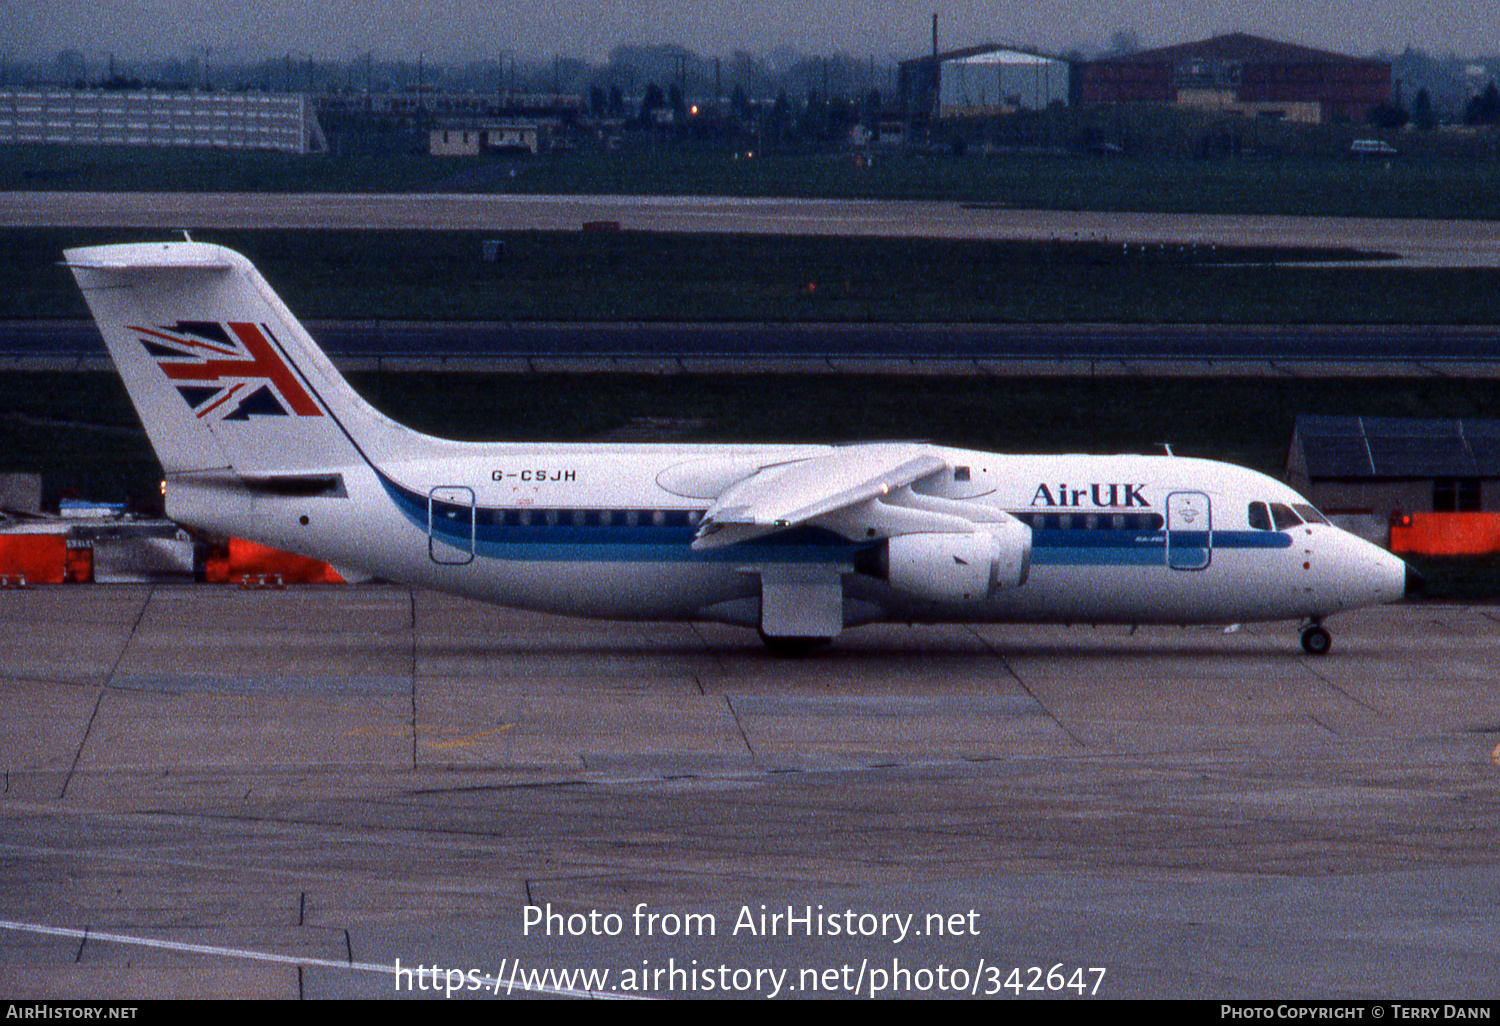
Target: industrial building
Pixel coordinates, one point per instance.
(1243, 74)
(472, 137)
(1385, 475)
(284, 122)
(983, 81)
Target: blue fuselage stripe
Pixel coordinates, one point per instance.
(492, 537)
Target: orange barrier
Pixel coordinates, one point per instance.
(1446, 534)
(78, 565)
(216, 564)
(36, 558)
(260, 563)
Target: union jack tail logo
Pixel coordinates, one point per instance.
(227, 367)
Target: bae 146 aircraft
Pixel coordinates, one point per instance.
(260, 437)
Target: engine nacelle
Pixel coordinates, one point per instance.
(960, 567)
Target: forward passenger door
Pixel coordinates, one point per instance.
(1189, 531)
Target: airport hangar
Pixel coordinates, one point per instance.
(1236, 73)
(1242, 74)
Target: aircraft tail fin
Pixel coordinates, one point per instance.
(222, 375)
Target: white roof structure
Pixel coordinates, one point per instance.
(1008, 57)
(987, 81)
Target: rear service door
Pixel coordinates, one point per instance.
(450, 525)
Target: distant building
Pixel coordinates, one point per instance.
(1243, 74)
(887, 134)
(99, 117)
(983, 81)
(456, 105)
(469, 138)
(1365, 471)
(20, 493)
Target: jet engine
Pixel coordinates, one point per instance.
(960, 567)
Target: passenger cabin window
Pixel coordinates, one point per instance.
(1284, 517)
(1260, 516)
(960, 473)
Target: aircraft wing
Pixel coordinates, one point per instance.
(778, 497)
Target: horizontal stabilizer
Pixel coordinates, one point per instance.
(150, 256)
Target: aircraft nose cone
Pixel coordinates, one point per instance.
(1415, 583)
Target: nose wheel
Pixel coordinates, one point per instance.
(1316, 640)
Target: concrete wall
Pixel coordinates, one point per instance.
(21, 493)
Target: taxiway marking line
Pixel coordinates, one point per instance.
(266, 956)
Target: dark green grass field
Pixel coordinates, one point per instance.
(644, 276)
(1419, 184)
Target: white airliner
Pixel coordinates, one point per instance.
(260, 437)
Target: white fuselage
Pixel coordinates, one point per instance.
(606, 531)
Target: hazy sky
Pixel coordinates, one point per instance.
(463, 29)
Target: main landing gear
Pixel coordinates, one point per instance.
(792, 647)
(1316, 640)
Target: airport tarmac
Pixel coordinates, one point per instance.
(216, 792)
(1416, 243)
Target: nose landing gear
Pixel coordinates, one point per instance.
(1316, 640)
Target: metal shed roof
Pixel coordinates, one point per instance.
(986, 53)
(1009, 57)
(1236, 46)
(1398, 447)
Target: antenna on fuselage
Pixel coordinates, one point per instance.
(1167, 446)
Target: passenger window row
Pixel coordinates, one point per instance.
(533, 517)
(1091, 521)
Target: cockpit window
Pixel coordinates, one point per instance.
(1260, 516)
(1285, 518)
(1311, 515)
